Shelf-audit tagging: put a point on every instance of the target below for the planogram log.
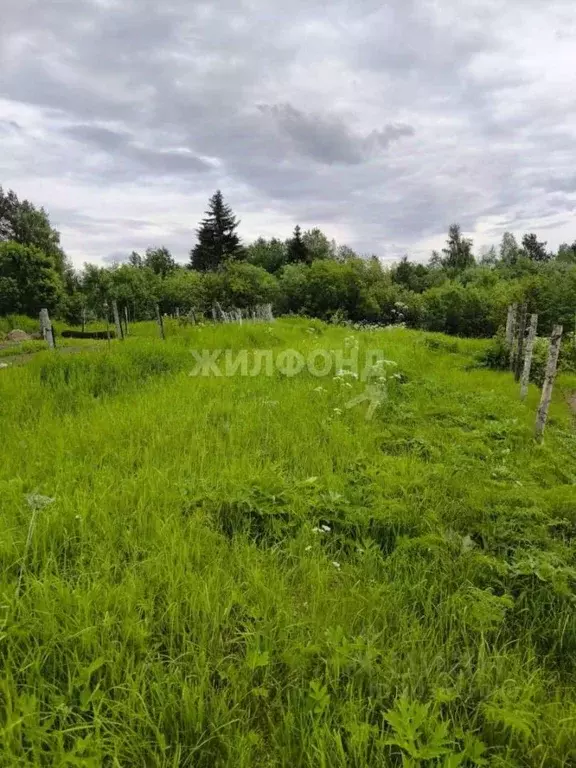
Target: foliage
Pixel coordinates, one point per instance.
(28, 279)
(296, 250)
(160, 261)
(458, 252)
(23, 223)
(271, 255)
(534, 249)
(496, 355)
(307, 274)
(218, 241)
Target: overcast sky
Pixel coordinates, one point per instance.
(380, 122)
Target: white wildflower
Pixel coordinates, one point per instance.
(37, 501)
(336, 565)
(325, 528)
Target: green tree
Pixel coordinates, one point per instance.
(271, 255)
(458, 252)
(23, 223)
(245, 286)
(435, 261)
(135, 260)
(534, 249)
(489, 257)
(317, 245)
(160, 261)
(567, 253)
(136, 288)
(217, 238)
(28, 280)
(297, 252)
(509, 249)
(411, 276)
(96, 285)
(185, 289)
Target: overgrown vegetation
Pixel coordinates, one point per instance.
(307, 274)
(241, 571)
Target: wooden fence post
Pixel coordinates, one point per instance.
(46, 329)
(126, 319)
(551, 366)
(520, 338)
(106, 312)
(160, 322)
(510, 323)
(528, 356)
(119, 332)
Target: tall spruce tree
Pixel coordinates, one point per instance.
(217, 238)
(297, 251)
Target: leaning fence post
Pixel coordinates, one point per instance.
(520, 337)
(549, 377)
(528, 356)
(119, 332)
(160, 322)
(46, 328)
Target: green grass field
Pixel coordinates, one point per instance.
(241, 571)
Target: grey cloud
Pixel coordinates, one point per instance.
(9, 127)
(327, 139)
(389, 121)
(105, 138)
(132, 159)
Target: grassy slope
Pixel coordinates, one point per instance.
(177, 609)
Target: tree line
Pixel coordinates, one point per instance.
(456, 292)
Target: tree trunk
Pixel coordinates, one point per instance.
(528, 356)
(549, 378)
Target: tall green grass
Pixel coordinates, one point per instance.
(243, 572)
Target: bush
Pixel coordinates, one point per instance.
(497, 356)
(21, 322)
